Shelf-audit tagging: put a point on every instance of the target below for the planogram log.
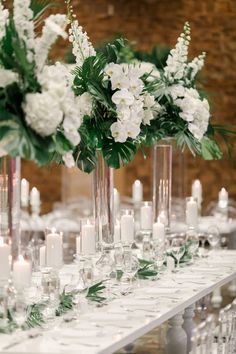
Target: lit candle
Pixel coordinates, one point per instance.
(88, 238)
(21, 273)
(54, 250)
(127, 228)
(116, 202)
(137, 191)
(158, 231)
(78, 245)
(223, 198)
(24, 192)
(197, 192)
(192, 213)
(42, 256)
(4, 260)
(146, 216)
(117, 232)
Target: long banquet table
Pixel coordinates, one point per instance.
(107, 329)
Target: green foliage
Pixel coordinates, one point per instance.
(116, 153)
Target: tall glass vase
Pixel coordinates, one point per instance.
(103, 203)
(10, 201)
(162, 182)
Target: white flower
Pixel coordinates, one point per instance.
(23, 21)
(82, 48)
(123, 97)
(85, 103)
(136, 87)
(4, 15)
(68, 159)
(150, 69)
(123, 113)
(7, 77)
(149, 100)
(196, 65)
(54, 27)
(176, 62)
(54, 78)
(113, 69)
(118, 131)
(176, 91)
(70, 131)
(119, 82)
(42, 113)
(132, 129)
(148, 116)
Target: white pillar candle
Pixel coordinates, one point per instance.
(158, 231)
(146, 216)
(137, 192)
(24, 192)
(42, 256)
(88, 239)
(223, 198)
(197, 192)
(21, 273)
(170, 263)
(127, 228)
(35, 197)
(192, 213)
(78, 251)
(54, 250)
(116, 202)
(4, 260)
(117, 232)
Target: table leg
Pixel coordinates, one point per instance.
(176, 338)
(189, 324)
(216, 299)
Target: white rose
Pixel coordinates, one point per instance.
(7, 77)
(42, 113)
(119, 132)
(69, 159)
(123, 97)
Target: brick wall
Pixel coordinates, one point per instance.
(148, 22)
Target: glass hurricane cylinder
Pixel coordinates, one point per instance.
(162, 182)
(10, 201)
(103, 203)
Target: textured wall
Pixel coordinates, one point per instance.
(148, 22)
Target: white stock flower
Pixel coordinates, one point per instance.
(176, 61)
(23, 21)
(4, 15)
(54, 27)
(196, 65)
(123, 97)
(176, 91)
(82, 47)
(118, 131)
(68, 159)
(42, 113)
(7, 77)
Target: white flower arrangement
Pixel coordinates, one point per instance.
(4, 14)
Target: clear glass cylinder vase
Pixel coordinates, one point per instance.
(103, 203)
(162, 182)
(10, 201)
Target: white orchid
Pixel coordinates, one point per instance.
(123, 98)
(119, 133)
(132, 129)
(119, 82)
(148, 116)
(136, 86)
(113, 69)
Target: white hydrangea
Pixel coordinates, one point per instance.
(193, 109)
(23, 20)
(4, 15)
(7, 77)
(82, 47)
(85, 103)
(54, 27)
(133, 107)
(176, 62)
(42, 112)
(68, 159)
